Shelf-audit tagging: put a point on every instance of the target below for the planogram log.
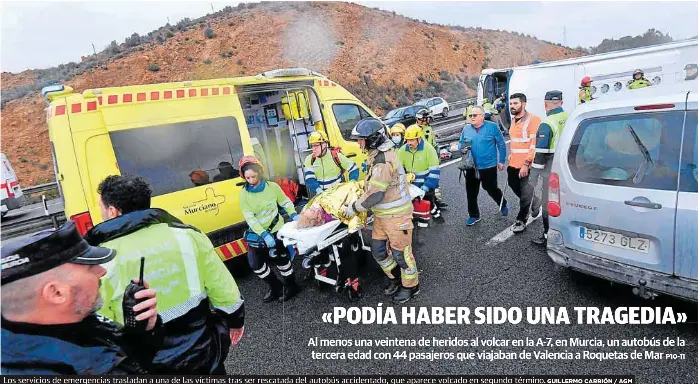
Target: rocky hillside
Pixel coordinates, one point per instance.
(385, 59)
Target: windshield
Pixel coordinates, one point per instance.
(395, 113)
(422, 102)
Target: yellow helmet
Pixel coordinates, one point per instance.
(398, 128)
(317, 137)
(413, 132)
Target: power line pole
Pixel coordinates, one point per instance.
(564, 35)
(212, 11)
(93, 49)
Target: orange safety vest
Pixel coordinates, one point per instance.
(523, 140)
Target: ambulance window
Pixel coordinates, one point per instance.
(347, 115)
(174, 157)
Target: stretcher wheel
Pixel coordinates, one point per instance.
(354, 295)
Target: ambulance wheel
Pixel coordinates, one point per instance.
(238, 266)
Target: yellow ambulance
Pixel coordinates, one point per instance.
(186, 138)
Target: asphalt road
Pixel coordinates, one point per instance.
(459, 269)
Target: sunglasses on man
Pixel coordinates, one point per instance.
(474, 114)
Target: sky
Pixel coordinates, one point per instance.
(45, 34)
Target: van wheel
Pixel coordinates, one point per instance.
(238, 266)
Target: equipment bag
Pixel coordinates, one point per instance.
(289, 187)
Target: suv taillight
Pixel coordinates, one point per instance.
(554, 208)
(83, 222)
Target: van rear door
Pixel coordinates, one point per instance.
(618, 184)
(687, 213)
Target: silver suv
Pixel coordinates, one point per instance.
(624, 193)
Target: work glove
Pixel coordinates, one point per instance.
(348, 211)
(410, 177)
(295, 217)
(268, 239)
(425, 188)
(318, 191)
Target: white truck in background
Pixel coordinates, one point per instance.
(11, 191)
(663, 64)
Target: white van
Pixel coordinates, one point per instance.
(11, 191)
(663, 65)
(624, 192)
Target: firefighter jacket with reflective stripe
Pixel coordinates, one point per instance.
(386, 179)
(428, 134)
(584, 94)
(639, 83)
(325, 173)
(423, 162)
(522, 134)
(548, 133)
(260, 205)
(182, 265)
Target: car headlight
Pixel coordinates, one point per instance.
(605, 88)
(617, 86)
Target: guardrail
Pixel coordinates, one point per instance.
(461, 102)
(40, 188)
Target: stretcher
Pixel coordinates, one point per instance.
(310, 243)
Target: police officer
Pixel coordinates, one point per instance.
(691, 71)
(397, 134)
(419, 158)
(585, 90)
(423, 122)
(260, 200)
(387, 195)
(181, 264)
(50, 293)
(325, 167)
(638, 80)
(549, 132)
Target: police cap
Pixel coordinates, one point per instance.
(553, 95)
(43, 251)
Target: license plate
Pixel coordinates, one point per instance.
(637, 244)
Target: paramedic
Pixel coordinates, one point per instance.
(486, 143)
(397, 133)
(50, 294)
(638, 80)
(387, 195)
(585, 90)
(468, 114)
(260, 200)
(522, 150)
(548, 133)
(420, 160)
(193, 281)
(325, 167)
(691, 71)
(423, 122)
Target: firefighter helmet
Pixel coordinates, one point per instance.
(398, 128)
(372, 130)
(638, 71)
(250, 162)
(413, 132)
(586, 80)
(422, 114)
(317, 137)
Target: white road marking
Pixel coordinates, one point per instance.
(505, 234)
(450, 162)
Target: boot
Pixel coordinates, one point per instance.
(275, 288)
(542, 241)
(290, 289)
(353, 289)
(393, 284)
(405, 294)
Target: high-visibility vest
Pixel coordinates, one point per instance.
(556, 122)
(584, 94)
(639, 83)
(522, 139)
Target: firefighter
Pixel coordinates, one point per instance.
(549, 132)
(260, 200)
(397, 133)
(691, 71)
(325, 167)
(585, 90)
(419, 158)
(423, 122)
(387, 195)
(638, 80)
